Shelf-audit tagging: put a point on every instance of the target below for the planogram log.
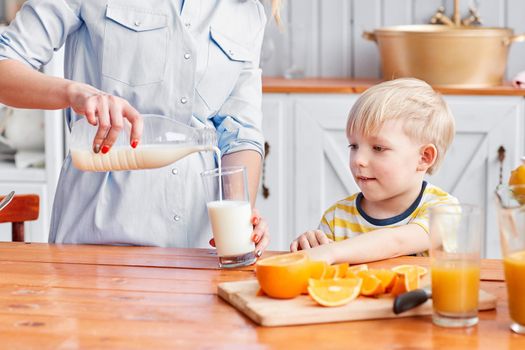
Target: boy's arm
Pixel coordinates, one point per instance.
(375, 245)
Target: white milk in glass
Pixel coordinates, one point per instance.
(231, 226)
(127, 158)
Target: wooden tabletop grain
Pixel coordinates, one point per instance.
(103, 297)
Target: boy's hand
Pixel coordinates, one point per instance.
(309, 239)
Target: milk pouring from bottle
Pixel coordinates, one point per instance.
(164, 141)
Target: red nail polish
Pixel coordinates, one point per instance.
(104, 149)
(134, 143)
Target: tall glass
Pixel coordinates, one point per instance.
(455, 264)
(230, 213)
(511, 218)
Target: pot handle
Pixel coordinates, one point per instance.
(369, 36)
(514, 39)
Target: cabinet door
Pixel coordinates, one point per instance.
(471, 170)
(322, 173)
(275, 205)
(35, 231)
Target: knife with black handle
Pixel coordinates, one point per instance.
(409, 300)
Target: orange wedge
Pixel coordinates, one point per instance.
(283, 276)
(342, 269)
(317, 271)
(357, 268)
(399, 286)
(407, 280)
(351, 274)
(387, 277)
(403, 268)
(334, 292)
(412, 278)
(372, 285)
(330, 272)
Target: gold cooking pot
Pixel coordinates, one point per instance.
(445, 55)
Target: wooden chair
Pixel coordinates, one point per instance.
(23, 207)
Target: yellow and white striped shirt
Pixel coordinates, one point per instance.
(346, 219)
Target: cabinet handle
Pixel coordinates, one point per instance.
(501, 158)
(265, 190)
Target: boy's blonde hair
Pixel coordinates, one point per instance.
(425, 115)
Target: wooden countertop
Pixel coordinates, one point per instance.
(79, 296)
(353, 86)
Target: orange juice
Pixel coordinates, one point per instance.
(455, 287)
(515, 277)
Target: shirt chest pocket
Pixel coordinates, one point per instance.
(135, 44)
(226, 59)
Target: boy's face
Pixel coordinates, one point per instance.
(385, 165)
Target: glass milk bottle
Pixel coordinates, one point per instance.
(163, 142)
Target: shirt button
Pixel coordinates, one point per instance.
(187, 25)
(137, 23)
(176, 218)
(175, 171)
(187, 55)
(231, 53)
(183, 100)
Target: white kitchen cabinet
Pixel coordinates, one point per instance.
(275, 204)
(316, 172)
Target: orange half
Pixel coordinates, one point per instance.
(283, 276)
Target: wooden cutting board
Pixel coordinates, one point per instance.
(266, 311)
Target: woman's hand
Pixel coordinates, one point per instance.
(108, 112)
(260, 235)
(309, 239)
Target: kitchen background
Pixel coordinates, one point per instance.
(319, 38)
(323, 37)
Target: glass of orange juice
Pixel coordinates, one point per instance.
(511, 218)
(455, 264)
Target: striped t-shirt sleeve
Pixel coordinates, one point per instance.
(434, 197)
(327, 224)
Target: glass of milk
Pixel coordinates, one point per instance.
(230, 214)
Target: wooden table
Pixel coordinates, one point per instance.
(77, 296)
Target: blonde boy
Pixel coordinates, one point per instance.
(397, 131)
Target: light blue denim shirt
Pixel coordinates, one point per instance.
(197, 62)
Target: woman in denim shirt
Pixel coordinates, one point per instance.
(196, 61)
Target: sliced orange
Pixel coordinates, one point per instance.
(403, 268)
(317, 271)
(342, 269)
(283, 276)
(412, 278)
(372, 285)
(408, 279)
(399, 286)
(517, 181)
(387, 277)
(350, 274)
(336, 271)
(357, 268)
(334, 292)
(330, 272)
